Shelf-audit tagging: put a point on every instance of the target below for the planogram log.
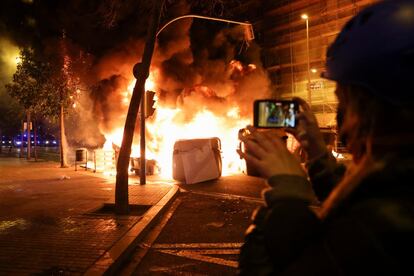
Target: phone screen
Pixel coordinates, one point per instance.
(275, 113)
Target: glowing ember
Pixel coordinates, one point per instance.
(337, 155)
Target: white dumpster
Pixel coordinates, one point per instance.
(197, 160)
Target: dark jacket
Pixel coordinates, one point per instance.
(371, 233)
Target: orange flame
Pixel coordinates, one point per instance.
(163, 131)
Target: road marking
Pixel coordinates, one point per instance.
(226, 196)
(202, 251)
(146, 244)
(197, 245)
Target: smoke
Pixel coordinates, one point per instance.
(107, 98)
(9, 54)
(194, 73)
(193, 60)
(206, 76)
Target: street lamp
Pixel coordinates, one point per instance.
(248, 28)
(306, 18)
(248, 34)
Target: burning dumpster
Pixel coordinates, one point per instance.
(197, 160)
(151, 166)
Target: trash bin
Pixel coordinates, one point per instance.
(81, 156)
(151, 166)
(197, 160)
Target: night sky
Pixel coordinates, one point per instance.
(96, 26)
(109, 37)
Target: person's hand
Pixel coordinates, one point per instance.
(269, 155)
(307, 132)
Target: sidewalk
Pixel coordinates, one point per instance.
(49, 222)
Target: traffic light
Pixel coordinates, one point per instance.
(149, 103)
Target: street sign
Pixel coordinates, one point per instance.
(25, 126)
(316, 85)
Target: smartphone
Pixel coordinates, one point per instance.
(271, 113)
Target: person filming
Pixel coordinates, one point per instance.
(317, 221)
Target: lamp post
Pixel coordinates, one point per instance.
(306, 18)
(248, 27)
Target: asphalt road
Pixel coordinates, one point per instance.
(201, 235)
(239, 185)
(203, 230)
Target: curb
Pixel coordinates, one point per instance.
(111, 260)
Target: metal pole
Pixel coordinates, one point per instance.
(29, 139)
(22, 141)
(308, 56)
(142, 172)
(203, 17)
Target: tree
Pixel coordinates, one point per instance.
(45, 87)
(58, 92)
(27, 86)
(141, 72)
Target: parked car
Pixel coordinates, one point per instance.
(50, 141)
(17, 140)
(44, 140)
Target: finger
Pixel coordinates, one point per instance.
(255, 149)
(299, 131)
(306, 116)
(292, 131)
(249, 158)
(272, 134)
(265, 142)
(274, 140)
(251, 129)
(304, 104)
(305, 145)
(247, 137)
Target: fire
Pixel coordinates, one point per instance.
(150, 82)
(165, 128)
(163, 132)
(149, 85)
(337, 155)
(204, 124)
(113, 138)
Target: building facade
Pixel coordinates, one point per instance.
(294, 48)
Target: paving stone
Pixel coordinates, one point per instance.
(46, 225)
